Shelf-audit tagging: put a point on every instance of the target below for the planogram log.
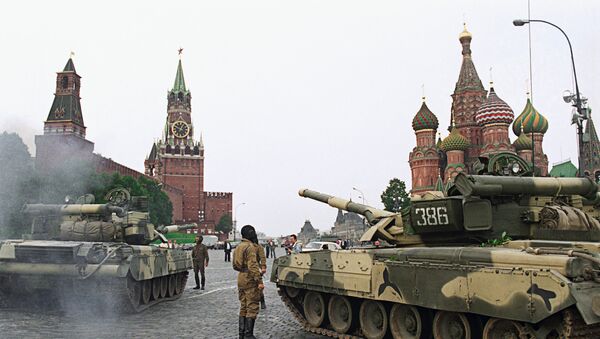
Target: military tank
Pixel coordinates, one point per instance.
(495, 257)
(97, 254)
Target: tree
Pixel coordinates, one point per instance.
(395, 197)
(18, 185)
(160, 207)
(225, 224)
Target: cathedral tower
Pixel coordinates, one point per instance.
(494, 117)
(468, 96)
(534, 125)
(424, 159)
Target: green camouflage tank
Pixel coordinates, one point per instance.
(497, 257)
(99, 254)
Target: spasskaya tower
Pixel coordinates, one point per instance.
(177, 161)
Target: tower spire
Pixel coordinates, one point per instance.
(179, 85)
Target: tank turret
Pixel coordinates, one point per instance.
(483, 207)
(124, 218)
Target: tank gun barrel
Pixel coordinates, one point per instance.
(74, 209)
(372, 214)
(176, 228)
(485, 185)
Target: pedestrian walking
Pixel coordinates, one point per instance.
(272, 246)
(227, 249)
(267, 249)
(249, 282)
(200, 260)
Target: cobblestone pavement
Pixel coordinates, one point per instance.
(199, 314)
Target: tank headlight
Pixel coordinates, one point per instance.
(516, 168)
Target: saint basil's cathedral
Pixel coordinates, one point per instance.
(480, 121)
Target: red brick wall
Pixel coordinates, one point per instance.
(216, 205)
(186, 174)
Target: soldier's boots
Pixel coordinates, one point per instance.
(249, 329)
(197, 287)
(242, 326)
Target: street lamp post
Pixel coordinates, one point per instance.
(235, 219)
(577, 100)
(362, 195)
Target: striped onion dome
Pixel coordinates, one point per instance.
(424, 119)
(455, 141)
(523, 142)
(494, 110)
(530, 120)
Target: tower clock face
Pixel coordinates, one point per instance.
(180, 129)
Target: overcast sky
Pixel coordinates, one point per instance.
(317, 94)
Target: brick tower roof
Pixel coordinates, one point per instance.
(468, 78)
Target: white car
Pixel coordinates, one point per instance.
(320, 245)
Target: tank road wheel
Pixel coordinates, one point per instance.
(156, 288)
(314, 308)
(373, 319)
(503, 329)
(134, 289)
(448, 325)
(179, 283)
(408, 322)
(146, 290)
(292, 292)
(340, 313)
(172, 284)
(164, 286)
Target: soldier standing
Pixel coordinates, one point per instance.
(249, 281)
(200, 259)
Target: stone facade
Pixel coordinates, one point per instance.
(307, 233)
(348, 225)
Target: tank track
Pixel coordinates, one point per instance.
(130, 305)
(289, 303)
(571, 327)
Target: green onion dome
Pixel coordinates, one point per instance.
(455, 141)
(523, 142)
(530, 120)
(424, 119)
(494, 110)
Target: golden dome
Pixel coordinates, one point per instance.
(465, 33)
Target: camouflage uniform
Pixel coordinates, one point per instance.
(245, 261)
(262, 262)
(200, 258)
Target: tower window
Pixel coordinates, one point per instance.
(64, 82)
